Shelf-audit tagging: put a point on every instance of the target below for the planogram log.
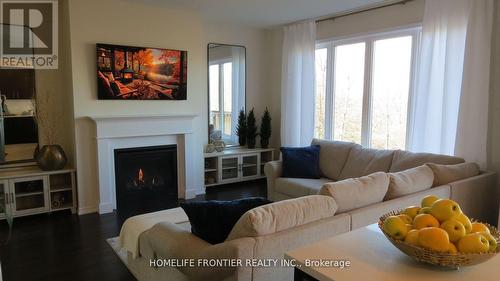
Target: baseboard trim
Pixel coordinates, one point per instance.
(105, 208)
(87, 210)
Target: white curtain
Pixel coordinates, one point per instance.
(297, 84)
(451, 61)
(237, 88)
(472, 130)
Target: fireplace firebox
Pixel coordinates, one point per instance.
(146, 179)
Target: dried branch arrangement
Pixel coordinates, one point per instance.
(46, 118)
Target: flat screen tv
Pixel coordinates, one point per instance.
(140, 73)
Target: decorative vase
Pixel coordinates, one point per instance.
(51, 157)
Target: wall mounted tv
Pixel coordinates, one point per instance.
(140, 73)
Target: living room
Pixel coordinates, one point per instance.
(249, 140)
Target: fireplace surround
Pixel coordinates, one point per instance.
(119, 132)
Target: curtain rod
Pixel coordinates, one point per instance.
(363, 10)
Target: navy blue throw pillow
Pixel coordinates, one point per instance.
(213, 220)
(301, 162)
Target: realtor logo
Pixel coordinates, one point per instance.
(29, 34)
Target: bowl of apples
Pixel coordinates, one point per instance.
(439, 233)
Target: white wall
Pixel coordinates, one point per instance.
(139, 24)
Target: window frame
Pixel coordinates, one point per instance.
(369, 39)
(221, 63)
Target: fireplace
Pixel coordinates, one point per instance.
(146, 179)
(127, 73)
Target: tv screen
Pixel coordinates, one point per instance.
(140, 73)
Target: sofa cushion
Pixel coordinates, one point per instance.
(301, 162)
(444, 174)
(296, 187)
(333, 156)
(283, 215)
(213, 220)
(371, 214)
(409, 181)
(357, 192)
(404, 160)
(364, 161)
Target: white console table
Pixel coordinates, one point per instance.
(236, 165)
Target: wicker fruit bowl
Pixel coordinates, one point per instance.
(454, 261)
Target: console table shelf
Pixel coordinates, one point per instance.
(30, 190)
(236, 165)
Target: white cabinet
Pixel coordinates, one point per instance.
(239, 168)
(28, 195)
(235, 165)
(30, 191)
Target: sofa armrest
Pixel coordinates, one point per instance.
(477, 196)
(273, 171)
(169, 241)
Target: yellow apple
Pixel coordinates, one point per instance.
(454, 228)
(395, 227)
(428, 200)
(452, 250)
(479, 227)
(473, 243)
(465, 221)
(491, 240)
(424, 210)
(406, 218)
(445, 209)
(411, 211)
(434, 238)
(425, 220)
(412, 237)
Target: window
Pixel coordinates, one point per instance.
(364, 87)
(220, 89)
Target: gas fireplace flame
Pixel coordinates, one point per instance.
(140, 176)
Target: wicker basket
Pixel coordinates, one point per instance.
(438, 258)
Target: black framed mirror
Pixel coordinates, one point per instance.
(18, 125)
(226, 90)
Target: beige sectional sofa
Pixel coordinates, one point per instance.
(262, 234)
(301, 217)
(477, 195)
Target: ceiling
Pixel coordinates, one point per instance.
(264, 13)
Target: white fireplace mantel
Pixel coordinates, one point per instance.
(117, 132)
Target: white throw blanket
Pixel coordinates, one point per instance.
(133, 227)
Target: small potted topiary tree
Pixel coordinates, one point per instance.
(241, 128)
(265, 129)
(251, 129)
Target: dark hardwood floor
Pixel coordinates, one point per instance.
(66, 247)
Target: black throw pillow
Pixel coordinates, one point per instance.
(213, 220)
(301, 162)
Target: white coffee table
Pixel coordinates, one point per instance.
(372, 257)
